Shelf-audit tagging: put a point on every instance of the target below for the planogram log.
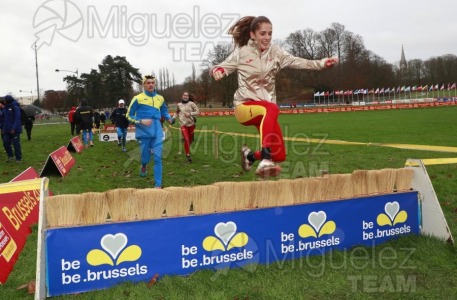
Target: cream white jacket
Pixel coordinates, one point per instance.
(183, 108)
(257, 70)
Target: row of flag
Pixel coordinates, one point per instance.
(405, 89)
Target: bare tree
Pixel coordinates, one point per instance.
(222, 90)
(194, 73)
(416, 73)
(303, 43)
(339, 31)
(159, 86)
(328, 42)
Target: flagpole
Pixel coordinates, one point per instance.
(37, 80)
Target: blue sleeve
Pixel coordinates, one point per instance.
(17, 118)
(164, 111)
(131, 111)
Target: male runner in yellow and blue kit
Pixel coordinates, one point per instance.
(145, 111)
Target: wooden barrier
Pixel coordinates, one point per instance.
(125, 234)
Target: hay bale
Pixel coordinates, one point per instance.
(204, 199)
(120, 205)
(149, 203)
(177, 202)
(404, 179)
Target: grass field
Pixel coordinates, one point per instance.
(414, 267)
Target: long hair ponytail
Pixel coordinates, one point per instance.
(241, 30)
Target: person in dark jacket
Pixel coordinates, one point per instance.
(97, 119)
(28, 126)
(2, 106)
(11, 129)
(102, 118)
(119, 118)
(84, 117)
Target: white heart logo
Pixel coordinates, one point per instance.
(317, 219)
(113, 244)
(391, 209)
(225, 231)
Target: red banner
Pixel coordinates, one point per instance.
(75, 145)
(28, 173)
(60, 161)
(19, 203)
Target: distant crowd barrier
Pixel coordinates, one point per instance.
(354, 106)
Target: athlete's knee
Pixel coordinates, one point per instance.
(272, 108)
(278, 154)
(280, 157)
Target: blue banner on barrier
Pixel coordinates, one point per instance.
(87, 258)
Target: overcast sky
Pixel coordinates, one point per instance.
(77, 35)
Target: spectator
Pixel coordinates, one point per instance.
(107, 114)
(97, 119)
(103, 118)
(2, 106)
(84, 117)
(71, 119)
(12, 129)
(119, 118)
(28, 126)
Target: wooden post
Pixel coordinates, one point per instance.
(216, 143)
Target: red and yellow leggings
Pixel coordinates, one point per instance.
(264, 116)
(188, 135)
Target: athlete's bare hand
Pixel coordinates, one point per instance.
(330, 62)
(218, 73)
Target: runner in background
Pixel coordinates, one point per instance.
(186, 112)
